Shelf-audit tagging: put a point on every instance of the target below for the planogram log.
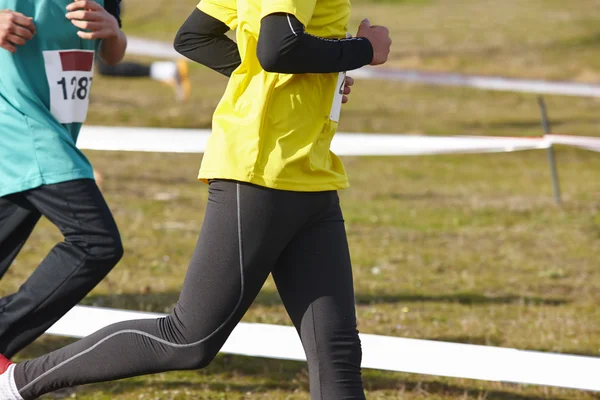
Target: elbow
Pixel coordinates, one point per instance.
(111, 61)
(269, 63)
(113, 51)
(268, 57)
(184, 40)
(189, 43)
(179, 42)
(112, 57)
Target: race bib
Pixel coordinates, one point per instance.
(336, 107)
(70, 74)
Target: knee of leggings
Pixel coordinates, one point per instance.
(111, 252)
(105, 250)
(186, 354)
(193, 358)
(117, 250)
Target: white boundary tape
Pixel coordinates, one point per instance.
(158, 49)
(382, 352)
(344, 144)
(584, 142)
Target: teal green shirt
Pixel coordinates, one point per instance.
(44, 92)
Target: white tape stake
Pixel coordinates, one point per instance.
(381, 352)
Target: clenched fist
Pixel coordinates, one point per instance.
(379, 36)
(15, 30)
(93, 18)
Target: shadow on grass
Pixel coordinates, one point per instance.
(429, 388)
(495, 341)
(164, 302)
(271, 298)
(456, 298)
(280, 375)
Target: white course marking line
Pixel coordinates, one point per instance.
(344, 144)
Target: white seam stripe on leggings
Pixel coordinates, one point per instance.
(176, 345)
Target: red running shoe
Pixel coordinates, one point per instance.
(8, 389)
(4, 364)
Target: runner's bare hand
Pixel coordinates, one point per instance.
(347, 89)
(15, 30)
(93, 18)
(379, 36)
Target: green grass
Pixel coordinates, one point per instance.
(463, 248)
(456, 248)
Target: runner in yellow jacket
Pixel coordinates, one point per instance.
(273, 205)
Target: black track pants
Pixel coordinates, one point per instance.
(92, 247)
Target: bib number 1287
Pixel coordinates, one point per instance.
(79, 88)
(70, 74)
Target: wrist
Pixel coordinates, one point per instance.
(367, 51)
(115, 35)
(116, 29)
(113, 49)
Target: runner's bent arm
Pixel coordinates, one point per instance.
(113, 48)
(97, 22)
(202, 38)
(15, 30)
(283, 46)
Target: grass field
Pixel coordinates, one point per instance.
(467, 248)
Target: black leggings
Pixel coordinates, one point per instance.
(248, 232)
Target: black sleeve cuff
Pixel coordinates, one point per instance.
(114, 8)
(365, 51)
